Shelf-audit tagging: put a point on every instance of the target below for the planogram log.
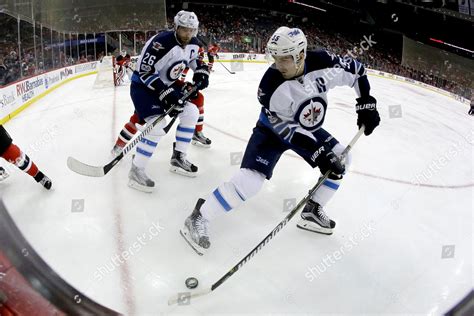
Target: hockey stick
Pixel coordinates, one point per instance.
(170, 124)
(100, 171)
(178, 297)
(231, 72)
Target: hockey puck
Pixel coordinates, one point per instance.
(192, 283)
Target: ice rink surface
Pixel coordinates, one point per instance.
(403, 241)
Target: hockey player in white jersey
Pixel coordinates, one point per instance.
(154, 90)
(293, 98)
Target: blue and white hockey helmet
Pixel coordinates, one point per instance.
(287, 41)
(186, 19)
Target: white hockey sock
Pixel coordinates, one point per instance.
(330, 186)
(184, 134)
(243, 185)
(326, 191)
(146, 147)
(185, 130)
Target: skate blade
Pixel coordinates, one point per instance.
(312, 227)
(135, 185)
(191, 243)
(199, 144)
(4, 177)
(182, 172)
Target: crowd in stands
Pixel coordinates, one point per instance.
(235, 26)
(242, 30)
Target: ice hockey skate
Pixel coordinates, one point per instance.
(180, 165)
(200, 140)
(314, 219)
(138, 180)
(42, 179)
(3, 174)
(196, 231)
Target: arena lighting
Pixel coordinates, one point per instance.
(451, 45)
(306, 5)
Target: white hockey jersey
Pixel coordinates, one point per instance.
(300, 104)
(163, 59)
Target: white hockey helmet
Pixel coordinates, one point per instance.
(286, 41)
(186, 19)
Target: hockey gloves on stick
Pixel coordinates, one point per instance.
(322, 156)
(169, 97)
(187, 87)
(327, 160)
(366, 109)
(201, 76)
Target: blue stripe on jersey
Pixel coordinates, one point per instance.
(290, 134)
(151, 78)
(279, 126)
(185, 129)
(144, 152)
(331, 185)
(221, 200)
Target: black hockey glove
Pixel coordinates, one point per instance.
(201, 76)
(322, 156)
(169, 97)
(367, 114)
(328, 161)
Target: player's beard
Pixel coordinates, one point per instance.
(184, 40)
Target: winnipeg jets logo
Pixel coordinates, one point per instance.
(311, 113)
(157, 46)
(294, 33)
(176, 69)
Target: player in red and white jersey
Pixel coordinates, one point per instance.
(212, 51)
(122, 67)
(14, 155)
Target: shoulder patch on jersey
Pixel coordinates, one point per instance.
(164, 40)
(310, 114)
(157, 46)
(145, 67)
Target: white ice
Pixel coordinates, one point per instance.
(384, 257)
